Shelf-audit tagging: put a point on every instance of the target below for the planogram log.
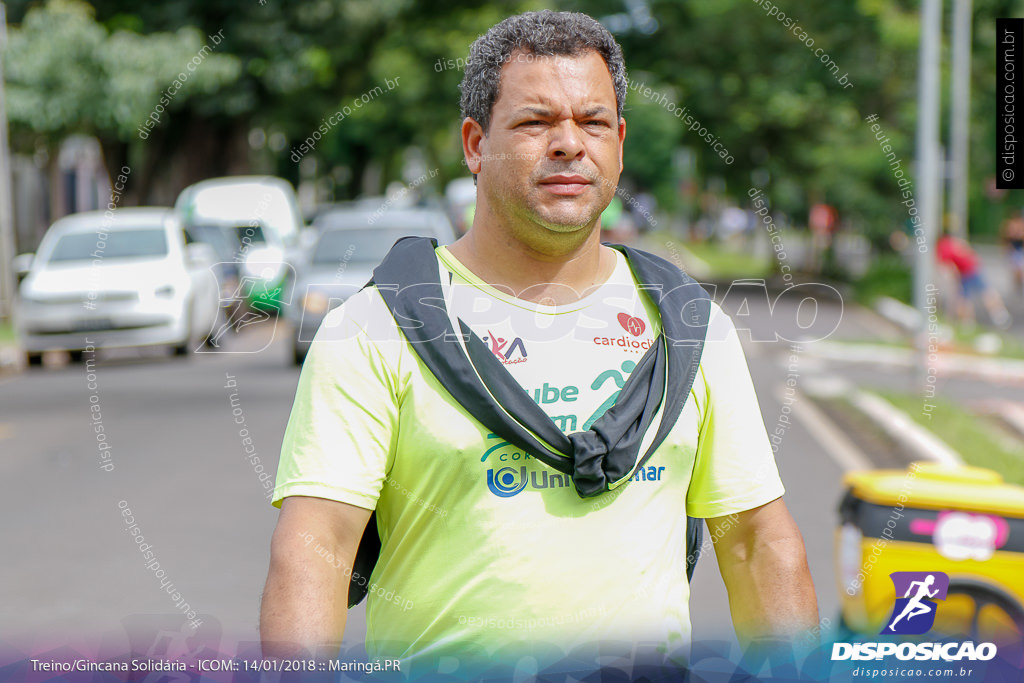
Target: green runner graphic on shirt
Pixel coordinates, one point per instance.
(567, 423)
(620, 380)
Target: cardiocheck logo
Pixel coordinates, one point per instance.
(635, 326)
(914, 613)
(630, 342)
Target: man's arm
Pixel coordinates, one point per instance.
(763, 563)
(305, 602)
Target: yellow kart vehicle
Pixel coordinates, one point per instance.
(963, 521)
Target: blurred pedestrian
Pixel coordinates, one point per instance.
(733, 226)
(822, 221)
(958, 255)
(644, 211)
(1013, 240)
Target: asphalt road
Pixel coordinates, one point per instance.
(72, 574)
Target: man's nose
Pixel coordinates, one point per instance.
(566, 143)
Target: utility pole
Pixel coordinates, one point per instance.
(6, 215)
(961, 99)
(927, 170)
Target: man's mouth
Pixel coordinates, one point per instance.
(566, 184)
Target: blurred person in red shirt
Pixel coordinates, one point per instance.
(958, 255)
(822, 220)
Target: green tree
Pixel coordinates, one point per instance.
(68, 74)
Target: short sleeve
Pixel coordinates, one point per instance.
(343, 425)
(735, 467)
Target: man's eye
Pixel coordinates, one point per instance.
(532, 123)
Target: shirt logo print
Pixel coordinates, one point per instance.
(635, 326)
(498, 348)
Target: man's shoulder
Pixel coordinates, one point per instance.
(363, 314)
(720, 324)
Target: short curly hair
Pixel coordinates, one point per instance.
(540, 33)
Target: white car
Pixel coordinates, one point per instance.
(260, 217)
(116, 279)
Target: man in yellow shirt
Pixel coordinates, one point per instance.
(487, 552)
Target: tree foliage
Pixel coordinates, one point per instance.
(755, 85)
(68, 74)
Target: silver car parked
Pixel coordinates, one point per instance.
(121, 279)
(352, 242)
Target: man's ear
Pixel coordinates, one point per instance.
(473, 139)
(622, 139)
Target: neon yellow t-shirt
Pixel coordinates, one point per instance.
(482, 544)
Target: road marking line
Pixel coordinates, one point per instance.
(835, 442)
(905, 430)
(990, 369)
(1011, 413)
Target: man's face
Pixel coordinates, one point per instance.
(550, 161)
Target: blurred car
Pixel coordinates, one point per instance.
(960, 521)
(259, 216)
(117, 279)
(362, 204)
(224, 245)
(352, 242)
(460, 198)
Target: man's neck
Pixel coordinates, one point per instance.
(514, 267)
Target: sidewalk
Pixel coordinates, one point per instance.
(10, 358)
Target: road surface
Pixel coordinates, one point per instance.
(73, 575)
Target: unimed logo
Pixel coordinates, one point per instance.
(505, 483)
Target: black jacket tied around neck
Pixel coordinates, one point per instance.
(598, 459)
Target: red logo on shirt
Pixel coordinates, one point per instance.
(498, 345)
(635, 326)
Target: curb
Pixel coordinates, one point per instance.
(995, 369)
(904, 430)
(897, 425)
(907, 318)
(1008, 411)
(833, 439)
